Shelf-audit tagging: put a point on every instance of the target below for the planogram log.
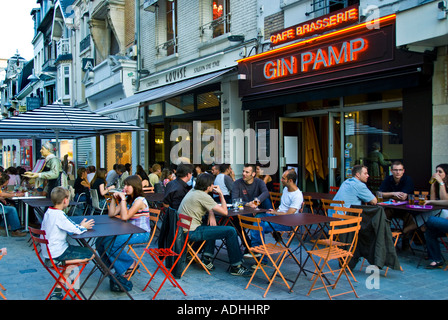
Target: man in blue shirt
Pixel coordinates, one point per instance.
(354, 191)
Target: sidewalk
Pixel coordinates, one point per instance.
(25, 279)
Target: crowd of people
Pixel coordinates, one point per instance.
(201, 192)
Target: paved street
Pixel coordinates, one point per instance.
(25, 279)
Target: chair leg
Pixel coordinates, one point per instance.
(194, 257)
(1, 294)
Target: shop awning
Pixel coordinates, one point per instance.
(161, 93)
(61, 121)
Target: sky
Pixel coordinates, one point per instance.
(16, 28)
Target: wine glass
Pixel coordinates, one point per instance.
(235, 204)
(257, 203)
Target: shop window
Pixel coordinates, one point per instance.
(368, 98)
(155, 110)
(179, 105)
(118, 149)
(207, 100)
(159, 145)
(312, 105)
(373, 138)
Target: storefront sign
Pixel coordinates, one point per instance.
(337, 19)
(352, 51)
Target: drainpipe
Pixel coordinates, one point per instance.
(137, 43)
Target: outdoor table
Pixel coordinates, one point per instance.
(154, 196)
(296, 222)
(105, 226)
(24, 208)
(37, 202)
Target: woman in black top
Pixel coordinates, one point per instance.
(99, 184)
(82, 190)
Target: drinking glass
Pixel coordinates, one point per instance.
(421, 199)
(379, 196)
(411, 199)
(257, 203)
(235, 204)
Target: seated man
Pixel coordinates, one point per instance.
(249, 187)
(176, 189)
(196, 204)
(225, 182)
(354, 191)
(290, 203)
(397, 186)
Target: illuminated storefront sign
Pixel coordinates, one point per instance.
(337, 19)
(355, 50)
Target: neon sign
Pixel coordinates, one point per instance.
(335, 20)
(317, 59)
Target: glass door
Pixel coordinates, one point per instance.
(335, 132)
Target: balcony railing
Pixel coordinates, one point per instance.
(167, 48)
(63, 47)
(216, 28)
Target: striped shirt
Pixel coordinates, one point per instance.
(143, 220)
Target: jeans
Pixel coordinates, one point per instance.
(436, 227)
(124, 261)
(12, 218)
(211, 233)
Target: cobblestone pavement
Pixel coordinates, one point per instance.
(25, 279)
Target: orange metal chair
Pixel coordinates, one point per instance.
(55, 270)
(160, 254)
(276, 186)
(265, 249)
(307, 203)
(329, 203)
(275, 199)
(154, 215)
(194, 256)
(347, 225)
(3, 252)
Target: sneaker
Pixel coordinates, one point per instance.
(240, 271)
(249, 255)
(56, 296)
(17, 233)
(208, 263)
(254, 266)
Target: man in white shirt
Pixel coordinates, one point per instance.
(290, 203)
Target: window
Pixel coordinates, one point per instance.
(171, 27)
(118, 149)
(322, 7)
(66, 81)
(221, 17)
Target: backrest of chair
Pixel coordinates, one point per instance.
(95, 200)
(276, 186)
(148, 189)
(307, 201)
(326, 203)
(38, 238)
(347, 224)
(78, 196)
(334, 190)
(250, 223)
(343, 211)
(154, 215)
(275, 198)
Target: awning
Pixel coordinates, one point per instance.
(161, 93)
(61, 121)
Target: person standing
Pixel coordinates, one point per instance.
(51, 171)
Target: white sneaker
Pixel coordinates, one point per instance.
(249, 255)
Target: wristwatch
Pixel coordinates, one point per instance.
(442, 183)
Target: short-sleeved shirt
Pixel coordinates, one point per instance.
(405, 185)
(353, 192)
(290, 200)
(196, 204)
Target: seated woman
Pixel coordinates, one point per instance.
(12, 217)
(438, 190)
(99, 184)
(436, 227)
(133, 207)
(82, 190)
